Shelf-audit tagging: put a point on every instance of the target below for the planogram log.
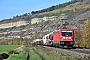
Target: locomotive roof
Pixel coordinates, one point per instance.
(65, 28)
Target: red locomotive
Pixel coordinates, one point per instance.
(64, 37)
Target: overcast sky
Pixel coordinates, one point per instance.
(10, 8)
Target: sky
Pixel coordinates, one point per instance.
(10, 8)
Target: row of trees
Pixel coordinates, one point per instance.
(86, 33)
(54, 7)
(16, 41)
(83, 36)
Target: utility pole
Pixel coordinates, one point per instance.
(79, 33)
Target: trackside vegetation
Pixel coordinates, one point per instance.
(50, 54)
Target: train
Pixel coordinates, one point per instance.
(64, 37)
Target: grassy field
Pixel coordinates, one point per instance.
(21, 56)
(6, 48)
(48, 54)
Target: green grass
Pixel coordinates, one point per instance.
(33, 55)
(6, 48)
(43, 53)
(21, 56)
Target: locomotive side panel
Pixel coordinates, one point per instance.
(56, 37)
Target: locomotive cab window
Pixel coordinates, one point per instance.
(66, 33)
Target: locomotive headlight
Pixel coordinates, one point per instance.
(70, 38)
(63, 38)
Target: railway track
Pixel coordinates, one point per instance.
(83, 53)
(86, 51)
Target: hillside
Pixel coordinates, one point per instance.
(72, 13)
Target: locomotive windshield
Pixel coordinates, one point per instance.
(66, 33)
